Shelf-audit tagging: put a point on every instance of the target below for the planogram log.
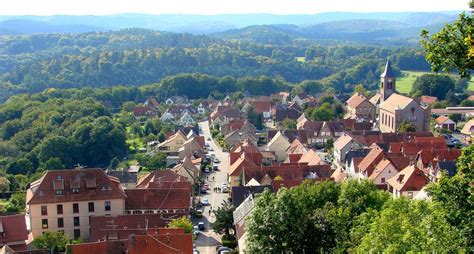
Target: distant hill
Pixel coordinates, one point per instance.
(203, 24)
(33, 26)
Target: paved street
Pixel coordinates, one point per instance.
(207, 240)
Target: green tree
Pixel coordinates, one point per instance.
(128, 106)
(20, 166)
(4, 184)
(406, 127)
(158, 161)
(451, 48)
(289, 124)
(52, 164)
(325, 112)
(114, 163)
(433, 85)
(182, 222)
(53, 241)
(16, 203)
(224, 223)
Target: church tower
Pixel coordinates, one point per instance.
(387, 82)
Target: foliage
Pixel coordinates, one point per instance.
(289, 124)
(182, 222)
(406, 127)
(433, 85)
(224, 222)
(54, 241)
(451, 48)
(157, 161)
(4, 184)
(325, 112)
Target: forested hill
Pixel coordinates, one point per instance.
(32, 63)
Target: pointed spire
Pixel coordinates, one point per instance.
(388, 72)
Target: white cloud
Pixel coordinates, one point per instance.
(104, 7)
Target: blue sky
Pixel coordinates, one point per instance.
(104, 7)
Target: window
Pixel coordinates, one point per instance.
(75, 190)
(44, 223)
(59, 192)
(76, 221)
(107, 205)
(75, 208)
(60, 222)
(91, 207)
(44, 210)
(410, 195)
(59, 209)
(77, 233)
(382, 180)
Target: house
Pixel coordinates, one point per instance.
(263, 107)
(311, 158)
(437, 169)
(279, 143)
(384, 170)
(240, 193)
(169, 198)
(188, 170)
(127, 179)
(244, 160)
(301, 98)
(144, 111)
(343, 145)
(359, 107)
(224, 114)
(231, 126)
(282, 112)
(186, 119)
(443, 122)
(167, 117)
(13, 232)
(467, 132)
(367, 165)
(201, 109)
(426, 100)
(240, 214)
(172, 144)
(63, 200)
(151, 102)
(235, 137)
(158, 177)
(150, 240)
(407, 182)
(176, 100)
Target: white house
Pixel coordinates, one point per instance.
(186, 119)
(167, 117)
(383, 171)
(279, 144)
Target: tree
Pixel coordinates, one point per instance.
(16, 203)
(182, 222)
(20, 166)
(325, 112)
(406, 127)
(128, 106)
(289, 124)
(224, 222)
(4, 184)
(451, 48)
(114, 163)
(54, 241)
(52, 164)
(157, 161)
(433, 85)
(359, 89)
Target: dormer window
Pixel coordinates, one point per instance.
(59, 192)
(75, 190)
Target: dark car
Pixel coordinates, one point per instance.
(201, 226)
(203, 190)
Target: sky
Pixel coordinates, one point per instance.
(211, 7)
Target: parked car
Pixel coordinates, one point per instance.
(196, 230)
(225, 185)
(203, 190)
(216, 160)
(199, 213)
(201, 226)
(208, 139)
(216, 168)
(225, 189)
(210, 148)
(205, 201)
(223, 250)
(206, 170)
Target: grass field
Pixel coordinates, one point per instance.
(405, 83)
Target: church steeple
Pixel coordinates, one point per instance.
(387, 82)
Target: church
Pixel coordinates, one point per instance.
(394, 108)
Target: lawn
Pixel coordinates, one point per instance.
(405, 82)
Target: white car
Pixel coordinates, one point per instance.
(204, 201)
(210, 148)
(225, 185)
(196, 230)
(216, 160)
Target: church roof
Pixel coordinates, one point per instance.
(388, 72)
(395, 102)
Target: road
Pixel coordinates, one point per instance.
(208, 240)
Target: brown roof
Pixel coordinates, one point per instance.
(159, 240)
(236, 167)
(409, 179)
(176, 196)
(141, 111)
(441, 119)
(262, 106)
(291, 135)
(312, 158)
(13, 229)
(120, 227)
(381, 166)
(93, 184)
(368, 163)
(296, 147)
(160, 176)
(356, 100)
(278, 184)
(342, 141)
(375, 99)
(470, 98)
(428, 99)
(468, 127)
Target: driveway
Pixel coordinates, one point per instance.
(208, 240)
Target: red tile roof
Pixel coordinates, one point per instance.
(166, 198)
(356, 100)
(120, 227)
(154, 178)
(409, 179)
(278, 184)
(93, 184)
(428, 99)
(367, 165)
(262, 106)
(13, 229)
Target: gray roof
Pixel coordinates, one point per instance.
(448, 166)
(123, 176)
(388, 72)
(240, 193)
